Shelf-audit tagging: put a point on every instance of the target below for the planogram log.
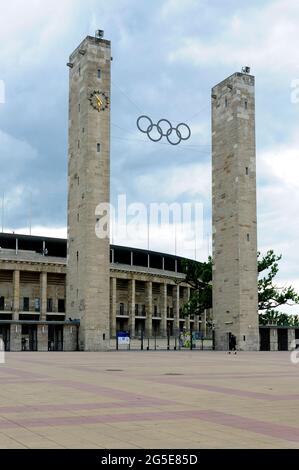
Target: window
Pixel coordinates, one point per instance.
(79, 70)
(225, 102)
(78, 144)
(61, 305)
(121, 309)
(155, 310)
(25, 304)
(2, 303)
(79, 107)
(98, 147)
(143, 311)
(99, 73)
(246, 105)
(247, 170)
(37, 304)
(50, 305)
(248, 237)
(136, 309)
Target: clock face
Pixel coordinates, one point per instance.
(99, 100)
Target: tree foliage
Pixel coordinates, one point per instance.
(270, 296)
(199, 277)
(273, 317)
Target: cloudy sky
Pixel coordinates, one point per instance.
(167, 56)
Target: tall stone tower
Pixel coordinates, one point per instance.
(235, 296)
(88, 260)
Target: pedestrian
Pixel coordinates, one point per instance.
(233, 344)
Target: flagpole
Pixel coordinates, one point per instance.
(2, 212)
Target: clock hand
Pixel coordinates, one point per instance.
(100, 102)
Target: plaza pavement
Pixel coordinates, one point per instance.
(169, 399)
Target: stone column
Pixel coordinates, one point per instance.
(43, 295)
(113, 308)
(42, 338)
(176, 306)
(204, 324)
(70, 333)
(291, 338)
(196, 322)
(15, 337)
(16, 294)
(164, 310)
(186, 299)
(273, 339)
(149, 307)
(132, 290)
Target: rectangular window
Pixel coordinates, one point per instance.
(99, 73)
(2, 303)
(247, 170)
(155, 310)
(136, 309)
(98, 147)
(61, 305)
(121, 309)
(248, 237)
(50, 305)
(226, 102)
(37, 304)
(79, 107)
(246, 105)
(143, 311)
(25, 304)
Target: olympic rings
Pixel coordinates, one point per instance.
(163, 128)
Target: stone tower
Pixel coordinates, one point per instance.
(89, 185)
(235, 296)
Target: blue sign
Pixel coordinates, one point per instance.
(123, 337)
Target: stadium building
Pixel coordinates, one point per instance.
(147, 293)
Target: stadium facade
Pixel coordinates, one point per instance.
(147, 293)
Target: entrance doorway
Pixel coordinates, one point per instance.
(264, 339)
(139, 327)
(29, 338)
(282, 338)
(5, 336)
(55, 338)
(156, 328)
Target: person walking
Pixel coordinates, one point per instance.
(232, 344)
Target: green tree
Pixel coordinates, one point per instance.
(270, 296)
(199, 278)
